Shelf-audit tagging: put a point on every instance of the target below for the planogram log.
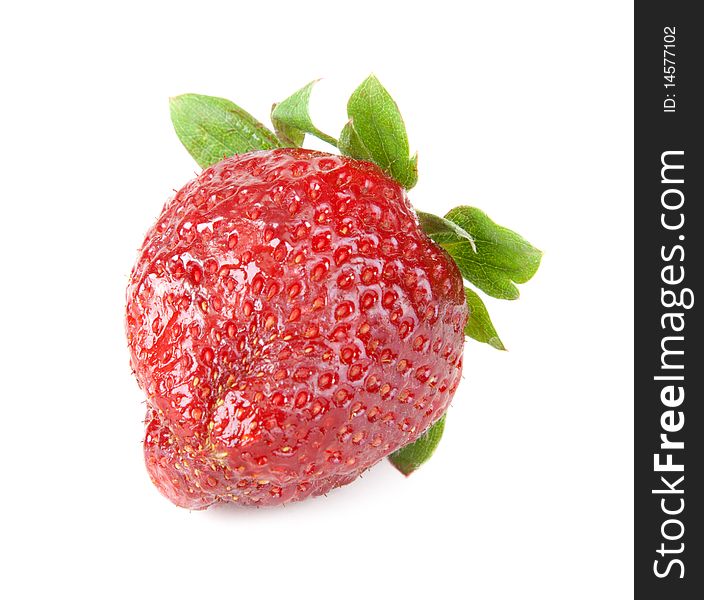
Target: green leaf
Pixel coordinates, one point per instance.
(291, 118)
(497, 259)
(379, 126)
(289, 136)
(212, 128)
(350, 144)
(412, 456)
(479, 326)
(441, 230)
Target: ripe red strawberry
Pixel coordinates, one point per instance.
(289, 319)
(291, 326)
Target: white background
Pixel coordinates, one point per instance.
(521, 108)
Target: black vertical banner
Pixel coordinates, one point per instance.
(669, 299)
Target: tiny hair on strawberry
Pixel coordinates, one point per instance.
(290, 318)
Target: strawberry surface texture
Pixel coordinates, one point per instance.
(291, 326)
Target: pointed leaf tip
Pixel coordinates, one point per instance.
(500, 257)
(409, 458)
(479, 326)
(379, 128)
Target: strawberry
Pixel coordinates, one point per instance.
(290, 318)
(291, 325)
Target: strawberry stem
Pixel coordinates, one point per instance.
(325, 137)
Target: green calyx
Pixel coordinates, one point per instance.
(490, 257)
